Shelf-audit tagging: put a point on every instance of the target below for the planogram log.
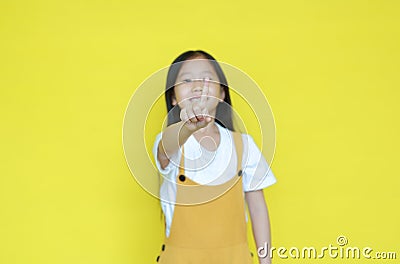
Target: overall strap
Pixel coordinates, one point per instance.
(182, 163)
(237, 138)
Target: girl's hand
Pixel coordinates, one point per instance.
(194, 114)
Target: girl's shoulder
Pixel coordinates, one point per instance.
(246, 138)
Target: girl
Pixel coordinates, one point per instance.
(209, 170)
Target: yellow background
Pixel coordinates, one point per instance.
(68, 69)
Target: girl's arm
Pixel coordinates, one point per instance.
(173, 137)
(194, 116)
(260, 223)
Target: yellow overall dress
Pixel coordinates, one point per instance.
(211, 232)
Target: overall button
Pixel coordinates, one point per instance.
(163, 247)
(240, 173)
(182, 178)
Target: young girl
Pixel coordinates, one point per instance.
(209, 170)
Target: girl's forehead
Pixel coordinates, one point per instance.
(196, 66)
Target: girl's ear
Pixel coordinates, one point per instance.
(222, 95)
(173, 100)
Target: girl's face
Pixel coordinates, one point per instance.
(190, 83)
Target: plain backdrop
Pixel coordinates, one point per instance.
(329, 70)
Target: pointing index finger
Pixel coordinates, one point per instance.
(204, 92)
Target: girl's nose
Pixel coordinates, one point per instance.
(198, 82)
(197, 91)
(197, 86)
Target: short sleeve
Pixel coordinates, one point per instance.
(257, 174)
(168, 188)
(170, 167)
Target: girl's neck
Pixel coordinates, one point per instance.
(210, 129)
(208, 137)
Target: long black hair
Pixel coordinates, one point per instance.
(224, 111)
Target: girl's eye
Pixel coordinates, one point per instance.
(187, 80)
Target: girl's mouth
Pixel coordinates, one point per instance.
(195, 99)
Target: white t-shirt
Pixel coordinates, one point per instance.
(206, 167)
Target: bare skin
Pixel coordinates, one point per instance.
(196, 121)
